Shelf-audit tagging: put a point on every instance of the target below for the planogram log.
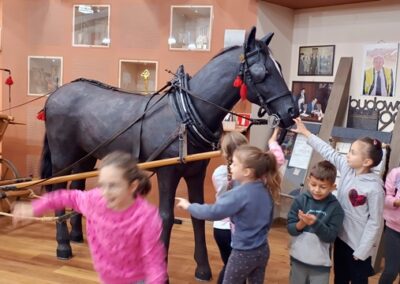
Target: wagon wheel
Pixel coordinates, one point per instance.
(8, 170)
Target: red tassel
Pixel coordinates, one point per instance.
(243, 92)
(9, 81)
(238, 82)
(41, 115)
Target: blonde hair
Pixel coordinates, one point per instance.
(230, 141)
(264, 167)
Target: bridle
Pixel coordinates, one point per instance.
(254, 72)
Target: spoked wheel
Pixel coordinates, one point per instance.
(8, 170)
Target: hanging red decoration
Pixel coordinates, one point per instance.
(243, 91)
(41, 115)
(9, 81)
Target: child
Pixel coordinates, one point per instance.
(123, 229)
(361, 195)
(391, 213)
(222, 181)
(250, 207)
(314, 221)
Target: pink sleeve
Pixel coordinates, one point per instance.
(390, 186)
(276, 149)
(60, 199)
(153, 250)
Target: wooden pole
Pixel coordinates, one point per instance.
(143, 166)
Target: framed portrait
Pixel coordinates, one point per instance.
(379, 69)
(316, 60)
(312, 99)
(190, 28)
(44, 74)
(138, 76)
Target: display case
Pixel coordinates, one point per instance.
(191, 28)
(91, 26)
(45, 74)
(138, 76)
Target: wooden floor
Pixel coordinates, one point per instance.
(27, 256)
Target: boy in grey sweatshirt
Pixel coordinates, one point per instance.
(314, 221)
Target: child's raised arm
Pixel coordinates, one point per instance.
(275, 148)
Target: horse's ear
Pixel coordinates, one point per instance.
(267, 38)
(250, 42)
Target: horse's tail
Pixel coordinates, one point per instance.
(46, 165)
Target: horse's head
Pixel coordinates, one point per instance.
(265, 85)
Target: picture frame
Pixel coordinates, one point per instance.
(91, 26)
(312, 99)
(139, 76)
(44, 74)
(317, 60)
(190, 28)
(380, 62)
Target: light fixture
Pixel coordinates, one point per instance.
(85, 9)
(171, 40)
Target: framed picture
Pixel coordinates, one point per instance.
(316, 60)
(379, 72)
(44, 74)
(91, 26)
(312, 99)
(138, 76)
(190, 28)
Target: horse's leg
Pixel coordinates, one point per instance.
(64, 250)
(195, 183)
(76, 234)
(168, 180)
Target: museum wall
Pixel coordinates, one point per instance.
(139, 30)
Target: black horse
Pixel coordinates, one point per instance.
(84, 114)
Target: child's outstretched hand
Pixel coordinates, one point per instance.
(182, 203)
(274, 136)
(300, 127)
(21, 213)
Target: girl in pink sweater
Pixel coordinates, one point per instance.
(123, 229)
(391, 236)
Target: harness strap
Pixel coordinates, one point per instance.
(182, 143)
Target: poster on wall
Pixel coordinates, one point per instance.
(44, 74)
(316, 60)
(372, 113)
(234, 37)
(312, 99)
(379, 69)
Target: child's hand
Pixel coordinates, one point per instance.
(274, 136)
(396, 203)
(300, 127)
(309, 219)
(21, 212)
(182, 203)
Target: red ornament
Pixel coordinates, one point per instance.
(238, 82)
(9, 81)
(41, 115)
(243, 92)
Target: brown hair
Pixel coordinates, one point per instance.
(264, 167)
(131, 172)
(230, 141)
(324, 171)
(374, 150)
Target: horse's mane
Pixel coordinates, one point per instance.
(225, 50)
(103, 85)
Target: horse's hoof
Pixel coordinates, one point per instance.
(203, 275)
(64, 251)
(76, 238)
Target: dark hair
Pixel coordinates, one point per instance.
(230, 141)
(264, 166)
(131, 172)
(324, 171)
(374, 150)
